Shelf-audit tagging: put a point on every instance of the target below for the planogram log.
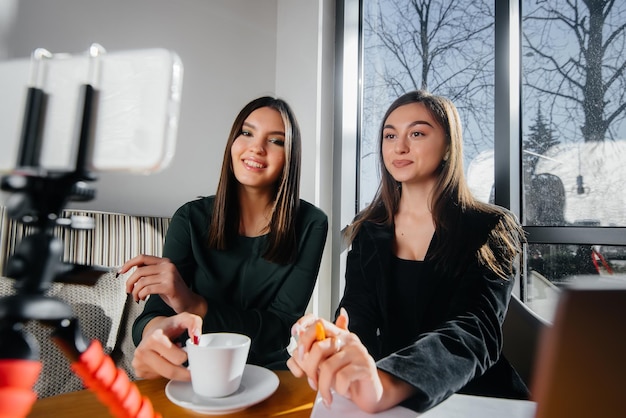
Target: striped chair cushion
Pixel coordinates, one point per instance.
(102, 309)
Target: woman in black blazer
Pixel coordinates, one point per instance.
(428, 278)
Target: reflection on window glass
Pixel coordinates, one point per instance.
(574, 128)
(552, 266)
(444, 47)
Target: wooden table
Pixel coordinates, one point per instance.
(293, 398)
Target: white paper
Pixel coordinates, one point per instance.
(457, 406)
(344, 408)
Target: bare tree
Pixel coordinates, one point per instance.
(576, 58)
(445, 47)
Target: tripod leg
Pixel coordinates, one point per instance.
(98, 372)
(19, 370)
(17, 378)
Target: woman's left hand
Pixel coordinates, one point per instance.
(157, 275)
(339, 362)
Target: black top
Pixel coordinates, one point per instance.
(245, 293)
(409, 290)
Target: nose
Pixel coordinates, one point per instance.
(258, 145)
(401, 146)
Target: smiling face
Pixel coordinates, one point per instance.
(413, 144)
(258, 154)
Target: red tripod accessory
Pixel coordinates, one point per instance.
(596, 258)
(111, 384)
(17, 378)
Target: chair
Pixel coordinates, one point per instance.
(104, 310)
(521, 332)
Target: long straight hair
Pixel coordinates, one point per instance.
(451, 195)
(224, 227)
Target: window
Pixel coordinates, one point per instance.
(443, 47)
(573, 140)
(556, 161)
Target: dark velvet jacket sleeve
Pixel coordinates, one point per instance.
(462, 339)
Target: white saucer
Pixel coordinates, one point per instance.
(257, 384)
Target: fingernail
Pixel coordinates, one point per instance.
(312, 384)
(326, 403)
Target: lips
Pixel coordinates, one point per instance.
(401, 163)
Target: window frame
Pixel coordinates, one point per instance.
(507, 130)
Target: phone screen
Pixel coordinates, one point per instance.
(136, 109)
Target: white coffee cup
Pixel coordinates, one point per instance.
(217, 362)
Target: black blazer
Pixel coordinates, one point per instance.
(458, 345)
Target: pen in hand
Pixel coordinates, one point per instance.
(341, 322)
(320, 334)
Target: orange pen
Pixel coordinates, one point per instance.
(320, 335)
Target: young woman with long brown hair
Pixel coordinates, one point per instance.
(245, 260)
(428, 278)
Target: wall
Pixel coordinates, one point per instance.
(228, 48)
(232, 51)
(305, 78)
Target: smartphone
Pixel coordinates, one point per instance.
(135, 121)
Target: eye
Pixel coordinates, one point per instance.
(277, 141)
(389, 136)
(245, 133)
(416, 134)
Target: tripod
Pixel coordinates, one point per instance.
(38, 197)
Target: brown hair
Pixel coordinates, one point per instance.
(282, 242)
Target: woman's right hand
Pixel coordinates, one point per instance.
(157, 354)
(157, 275)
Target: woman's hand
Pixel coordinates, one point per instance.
(157, 354)
(340, 362)
(156, 275)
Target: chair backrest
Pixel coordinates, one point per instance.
(521, 332)
(104, 310)
(115, 238)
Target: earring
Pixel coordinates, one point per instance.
(446, 156)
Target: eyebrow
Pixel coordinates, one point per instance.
(415, 123)
(248, 124)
